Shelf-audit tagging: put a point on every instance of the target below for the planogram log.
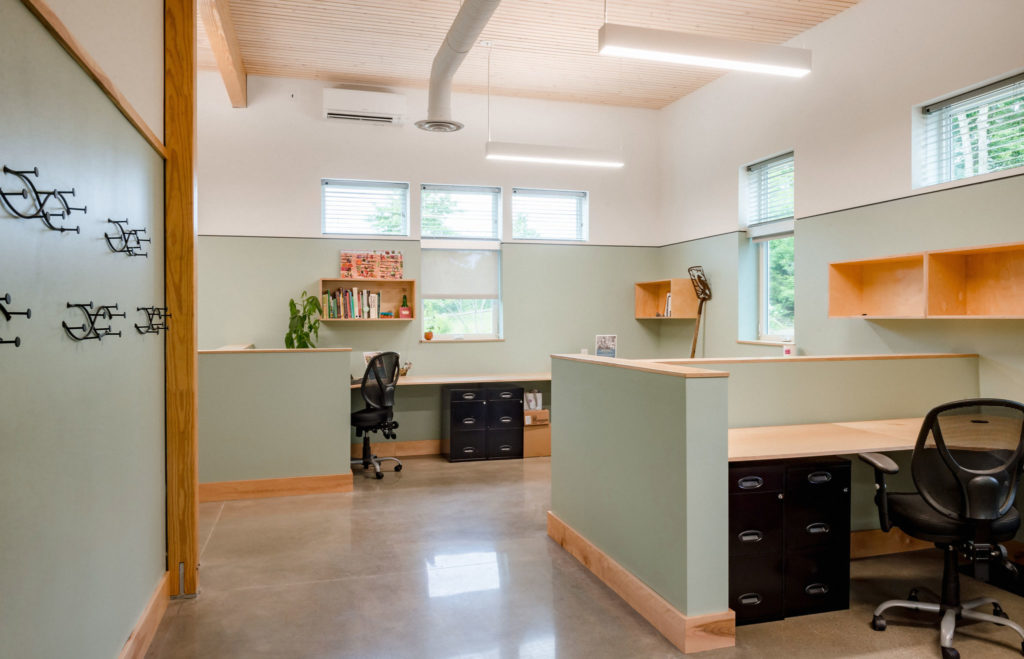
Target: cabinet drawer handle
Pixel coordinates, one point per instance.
(468, 421)
(505, 419)
(750, 482)
(816, 589)
(505, 394)
(818, 477)
(750, 599)
(818, 528)
(505, 448)
(468, 449)
(468, 396)
(751, 536)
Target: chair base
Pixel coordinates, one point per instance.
(949, 608)
(375, 461)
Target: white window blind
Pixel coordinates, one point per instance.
(974, 133)
(365, 207)
(549, 214)
(453, 274)
(770, 191)
(459, 211)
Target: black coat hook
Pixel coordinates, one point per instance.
(156, 320)
(89, 329)
(126, 241)
(45, 205)
(6, 299)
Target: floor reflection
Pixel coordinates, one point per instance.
(455, 574)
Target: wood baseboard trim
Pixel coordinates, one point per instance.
(400, 449)
(688, 633)
(145, 629)
(875, 542)
(275, 487)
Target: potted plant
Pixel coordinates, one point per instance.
(303, 322)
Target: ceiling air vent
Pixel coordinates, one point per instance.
(355, 105)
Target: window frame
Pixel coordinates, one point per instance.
(325, 183)
(442, 245)
(582, 217)
(497, 205)
(934, 155)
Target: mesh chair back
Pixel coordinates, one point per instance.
(968, 458)
(379, 380)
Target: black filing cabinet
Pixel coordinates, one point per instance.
(789, 538)
(482, 423)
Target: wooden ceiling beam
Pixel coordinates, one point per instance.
(220, 31)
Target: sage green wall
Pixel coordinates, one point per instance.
(555, 299)
(82, 508)
(981, 214)
(273, 415)
(636, 482)
(730, 263)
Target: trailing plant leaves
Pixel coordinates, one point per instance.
(302, 323)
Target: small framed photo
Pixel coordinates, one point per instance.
(367, 356)
(605, 345)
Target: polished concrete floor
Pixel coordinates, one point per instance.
(452, 561)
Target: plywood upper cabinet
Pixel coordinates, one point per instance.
(881, 288)
(651, 298)
(978, 282)
(987, 282)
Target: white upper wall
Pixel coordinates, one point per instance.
(849, 121)
(126, 38)
(260, 167)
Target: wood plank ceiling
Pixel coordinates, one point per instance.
(540, 48)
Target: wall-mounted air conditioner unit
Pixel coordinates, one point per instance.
(355, 105)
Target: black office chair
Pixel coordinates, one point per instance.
(966, 464)
(378, 390)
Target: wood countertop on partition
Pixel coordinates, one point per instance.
(232, 350)
(647, 365)
(817, 439)
(803, 358)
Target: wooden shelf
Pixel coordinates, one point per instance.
(978, 282)
(391, 292)
(650, 297)
(891, 287)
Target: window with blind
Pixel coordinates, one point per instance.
(460, 211)
(549, 214)
(461, 292)
(770, 204)
(376, 208)
(974, 133)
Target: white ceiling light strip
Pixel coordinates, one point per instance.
(551, 155)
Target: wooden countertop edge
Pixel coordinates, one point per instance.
(806, 358)
(648, 366)
(265, 351)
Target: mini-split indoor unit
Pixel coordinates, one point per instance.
(356, 105)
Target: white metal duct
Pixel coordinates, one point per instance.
(461, 37)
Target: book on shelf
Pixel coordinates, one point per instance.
(353, 303)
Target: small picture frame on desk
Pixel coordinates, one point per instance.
(606, 345)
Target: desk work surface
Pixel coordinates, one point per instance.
(817, 439)
(412, 380)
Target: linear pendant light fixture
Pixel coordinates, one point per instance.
(551, 155)
(702, 50)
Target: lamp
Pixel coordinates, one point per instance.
(702, 50)
(552, 155)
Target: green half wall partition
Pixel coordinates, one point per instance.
(639, 468)
(273, 414)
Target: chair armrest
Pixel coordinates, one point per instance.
(883, 465)
(880, 462)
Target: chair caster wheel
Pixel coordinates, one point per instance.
(398, 467)
(950, 653)
(1022, 647)
(379, 475)
(913, 596)
(998, 611)
(878, 623)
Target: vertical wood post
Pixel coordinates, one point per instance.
(180, 290)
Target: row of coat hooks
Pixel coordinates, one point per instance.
(53, 207)
(8, 314)
(156, 320)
